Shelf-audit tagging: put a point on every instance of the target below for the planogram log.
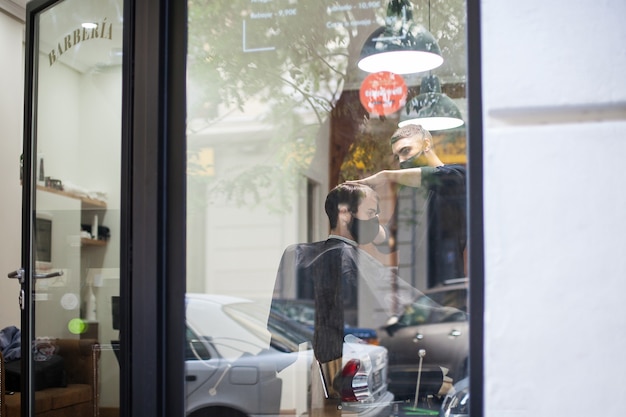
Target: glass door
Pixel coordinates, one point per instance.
(71, 232)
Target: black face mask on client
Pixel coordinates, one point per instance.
(364, 231)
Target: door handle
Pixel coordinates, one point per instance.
(19, 274)
(49, 275)
(455, 333)
(15, 274)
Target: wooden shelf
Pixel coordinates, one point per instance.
(92, 242)
(89, 202)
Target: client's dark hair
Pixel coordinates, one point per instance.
(347, 193)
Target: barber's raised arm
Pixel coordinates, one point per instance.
(411, 177)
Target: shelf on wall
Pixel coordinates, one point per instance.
(92, 242)
(87, 202)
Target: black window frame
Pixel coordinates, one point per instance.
(152, 286)
(475, 207)
(153, 208)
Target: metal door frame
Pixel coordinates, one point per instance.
(153, 208)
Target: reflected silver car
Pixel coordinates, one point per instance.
(242, 360)
(457, 401)
(436, 322)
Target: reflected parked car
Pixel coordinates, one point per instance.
(240, 362)
(303, 311)
(457, 401)
(436, 322)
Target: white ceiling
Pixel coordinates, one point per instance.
(15, 8)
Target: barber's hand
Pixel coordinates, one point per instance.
(410, 176)
(376, 180)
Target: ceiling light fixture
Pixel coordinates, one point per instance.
(431, 108)
(401, 46)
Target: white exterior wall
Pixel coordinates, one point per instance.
(11, 111)
(554, 141)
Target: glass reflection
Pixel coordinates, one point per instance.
(77, 103)
(279, 114)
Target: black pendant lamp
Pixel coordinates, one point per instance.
(401, 46)
(431, 108)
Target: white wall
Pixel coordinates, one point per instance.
(554, 141)
(11, 111)
(266, 215)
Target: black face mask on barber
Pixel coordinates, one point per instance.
(416, 161)
(364, 231)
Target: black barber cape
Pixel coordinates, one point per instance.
(330, 272)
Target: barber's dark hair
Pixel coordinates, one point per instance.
(346, 193)
(408, 131)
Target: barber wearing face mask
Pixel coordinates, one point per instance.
(445, 193)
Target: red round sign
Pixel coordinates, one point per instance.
(383, 93)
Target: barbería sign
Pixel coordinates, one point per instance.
(103, 30)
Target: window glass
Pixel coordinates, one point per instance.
(326, 201)
(74, 128)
